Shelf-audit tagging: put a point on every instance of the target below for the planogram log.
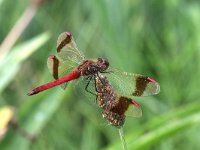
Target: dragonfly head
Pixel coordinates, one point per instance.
(103, 64)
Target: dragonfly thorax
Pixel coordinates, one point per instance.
(90, 67)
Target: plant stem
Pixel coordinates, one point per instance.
(121, 134)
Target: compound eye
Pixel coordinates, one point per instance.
(100, 60)
(106, 62)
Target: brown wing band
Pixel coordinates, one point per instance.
(64, 42)
(122, 105)
(141, 84)
(55, 66)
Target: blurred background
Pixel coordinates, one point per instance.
(160, 39)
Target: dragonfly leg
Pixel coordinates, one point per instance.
(102, 82)
(86, 87)
(96, 86)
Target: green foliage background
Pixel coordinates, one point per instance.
(160, 39)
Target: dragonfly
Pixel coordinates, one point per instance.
(113, 88)
(7, 117)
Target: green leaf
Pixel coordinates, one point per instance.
(12, 63)
(165, 126)
(34, 115)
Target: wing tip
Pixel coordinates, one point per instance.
(155, 83)
(158, 88)
(68, 33)
(137, 112)
(63, 39)
(52, 56)
(135, 103)
(151, 80)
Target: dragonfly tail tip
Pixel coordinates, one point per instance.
(31, 93)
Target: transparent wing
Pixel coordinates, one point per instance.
(67, 49)
(128, 107)
(134, 109)
(129, 84)
(69, 57)
(58, 68)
